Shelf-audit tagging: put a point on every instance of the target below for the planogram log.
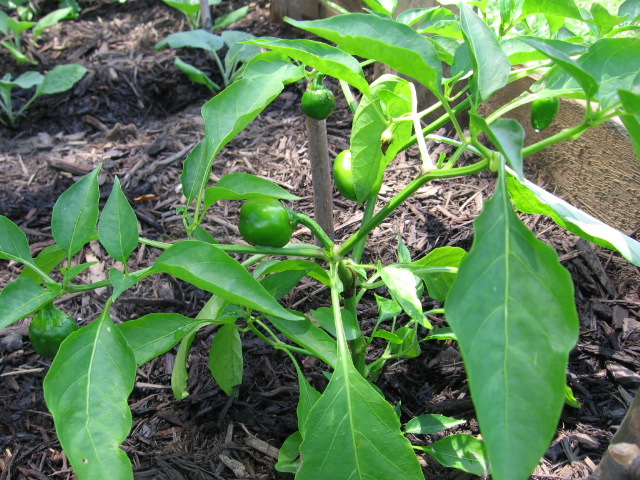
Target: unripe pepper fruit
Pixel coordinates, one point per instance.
(544, 112)
(343, 175)
(48, 328)
(265, 222)
(318, 102)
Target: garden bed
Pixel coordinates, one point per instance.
(139, 116)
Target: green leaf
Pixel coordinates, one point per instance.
(603, 20)
(512, 309)
(154, 334)
(47, 260)
(519, 51)
(444, 333)
(118, 225)
(242, 186)
(561, 8)
(308, 398)
(227, 19)
(26, 80)
(324, 317)
(366, 155)
(387, 308)
(631, 100)
(409, 346)
(209, 268)
(430, 269)
(180, 374)
(531, 199)
(120, 282)
(225, 358)
(281, 283)
(307, 335)
(308, 267)
(60, 79)
(353, 432)
(508, 135)
(630, 8)
(288, 456)
(325, 58)
(226, 115)
(196, 75)
(75, 270)
(192, 39)
(20, 298)
(385, 7)
(431, 423)
(52, 19)
(402, 285)
(75, 214)
(13, 242)
(490, 64)
(390, 42)
(632, 124)
(86, 391)
(460, 451)
(274, 65)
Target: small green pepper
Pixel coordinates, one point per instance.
(544, 112)
(48, 328)
(343, 175)
(318, 102)
(265, 222)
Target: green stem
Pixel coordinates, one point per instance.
(316, 229)
(370, 207)
(402, 196)
(276, 342)
(348, 95)
(293, 249)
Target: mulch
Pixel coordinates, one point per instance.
(138, 116)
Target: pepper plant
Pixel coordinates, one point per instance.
(508, 301)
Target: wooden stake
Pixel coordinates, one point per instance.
(321, 175)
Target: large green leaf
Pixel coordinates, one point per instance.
(390, 42)
(324, 58)
(225, 358)
(192, 39)
(86, 391)
(561, 8)
(308, 336)
(352, 432)
(155, 334)
(437, 270)
(366, 155)
(13, 242)
(75, 214)
(241, 186)
(209, 268)
(60, 79)
(512, 309)
(20, 298)
(402, 285)
(613, 64)
(530, 198)
(460, 451)
(491, 65)
(52, 19)
(226, 115)
(118, 225)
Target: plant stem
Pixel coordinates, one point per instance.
(402, 196)
(316, 229)
(358, 249)
(348, 95)
(293, 249)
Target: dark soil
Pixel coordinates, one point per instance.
(139, 116)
